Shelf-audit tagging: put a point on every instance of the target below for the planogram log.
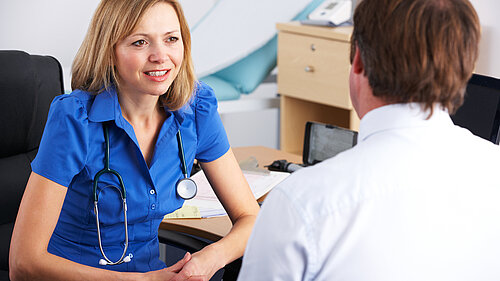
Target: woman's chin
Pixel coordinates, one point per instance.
(158, 91)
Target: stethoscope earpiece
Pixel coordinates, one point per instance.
(125, 260)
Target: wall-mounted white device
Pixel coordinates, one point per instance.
(332, 12)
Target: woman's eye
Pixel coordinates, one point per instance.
(139, 43)
(172, 39)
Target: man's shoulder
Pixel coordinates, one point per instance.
(347, 179)
(332, 179)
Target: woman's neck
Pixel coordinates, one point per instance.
(142, 111)
(146, 116)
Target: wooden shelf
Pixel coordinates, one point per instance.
(313, 80)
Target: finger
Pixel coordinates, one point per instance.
(182, 275)
(180, 264)
(198, 278)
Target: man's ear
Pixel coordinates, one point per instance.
(357, 63)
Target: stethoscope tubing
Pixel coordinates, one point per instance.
(190, 194)
(106, 168)
(186, 187)
(123, 195)
(119, 261)
(181, 151)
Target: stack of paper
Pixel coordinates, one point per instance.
(206, 201)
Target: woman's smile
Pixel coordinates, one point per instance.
(157, 75)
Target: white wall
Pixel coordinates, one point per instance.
(57, 27)
(54, 27)
(194, 10)
(489, 51)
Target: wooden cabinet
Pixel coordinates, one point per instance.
(313, 80)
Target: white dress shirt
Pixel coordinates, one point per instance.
(415, 199)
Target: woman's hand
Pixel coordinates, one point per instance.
(174, 272)
(203, 263)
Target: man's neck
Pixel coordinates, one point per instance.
(368, 103)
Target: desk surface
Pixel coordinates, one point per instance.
(217, 227)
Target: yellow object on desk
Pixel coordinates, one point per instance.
(185, 212)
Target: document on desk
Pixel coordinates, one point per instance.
(206, 201)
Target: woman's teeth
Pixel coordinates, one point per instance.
(157, 73)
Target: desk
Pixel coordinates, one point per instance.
(313, 80)
(215, 228)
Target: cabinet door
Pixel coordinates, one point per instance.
(314, 69)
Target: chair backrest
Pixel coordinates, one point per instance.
(28, 83)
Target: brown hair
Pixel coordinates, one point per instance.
(417, 50)
(93, 68)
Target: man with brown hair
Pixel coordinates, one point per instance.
(418, 197)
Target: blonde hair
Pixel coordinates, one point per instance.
(93, 68)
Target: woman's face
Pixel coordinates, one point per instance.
(148, 60)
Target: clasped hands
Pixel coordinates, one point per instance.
(200, 266)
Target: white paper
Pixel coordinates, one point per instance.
(209, 205)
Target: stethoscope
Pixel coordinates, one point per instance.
(186, 189)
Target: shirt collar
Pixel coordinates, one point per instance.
(180, 114)
(105, 106)
(108, 99)
(397, 116)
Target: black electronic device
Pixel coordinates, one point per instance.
(323, 141)
(480, 112)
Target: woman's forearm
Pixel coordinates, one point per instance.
(45, 266)
(37, 217)
(232, 189)
(232, 246)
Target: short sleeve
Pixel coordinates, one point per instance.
(212, 138)
(63, 148)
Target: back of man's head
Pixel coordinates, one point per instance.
(417, 50)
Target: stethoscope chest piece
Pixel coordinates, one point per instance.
(186, 188)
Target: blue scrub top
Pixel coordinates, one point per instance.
(72, 152)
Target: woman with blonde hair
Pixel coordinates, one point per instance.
(116, 152)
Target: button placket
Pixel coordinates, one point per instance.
(152, 199)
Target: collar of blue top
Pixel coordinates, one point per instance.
(100, 110)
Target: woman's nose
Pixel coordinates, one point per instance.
(159, 54)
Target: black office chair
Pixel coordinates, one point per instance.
(28, 83)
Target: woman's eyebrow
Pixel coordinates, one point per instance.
(146, 34)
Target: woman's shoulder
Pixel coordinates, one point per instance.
(203, 97)
(203, 91)
(67, 127)
(76, 100)
(74, 105)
